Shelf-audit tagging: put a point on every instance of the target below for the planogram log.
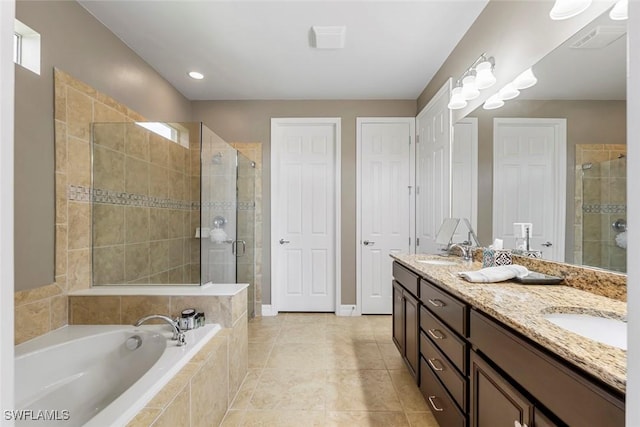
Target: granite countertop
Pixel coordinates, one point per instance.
(522, 308)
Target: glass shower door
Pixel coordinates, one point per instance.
(245, 248)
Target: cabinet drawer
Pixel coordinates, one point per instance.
(452, 311)
(442, 406)
(455, 383)
(406, 278)
(571, 396)
(451, 345)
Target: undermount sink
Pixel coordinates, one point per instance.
(612, 332)
(436, 262)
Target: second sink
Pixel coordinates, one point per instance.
(436, 262)
(612, 332)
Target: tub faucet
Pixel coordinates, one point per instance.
(178, 335)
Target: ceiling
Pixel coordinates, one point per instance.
(260, 49)
(583, 74)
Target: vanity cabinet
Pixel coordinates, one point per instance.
(406, 317)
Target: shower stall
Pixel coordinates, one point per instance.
(172, 203)
(602, 196)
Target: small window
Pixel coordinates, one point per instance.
(172, 131)
(26, 47)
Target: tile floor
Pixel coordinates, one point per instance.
(322, 370)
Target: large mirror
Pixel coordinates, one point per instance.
(555, 156)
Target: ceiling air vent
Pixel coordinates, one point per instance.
(600, 37)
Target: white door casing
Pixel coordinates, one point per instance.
(529, 164)
(305, 214)
(385, 206)
(464, 175)
(433, 169)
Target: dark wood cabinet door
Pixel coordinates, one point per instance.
(541, 420)
(412, 333)
(398, 317)
(494, 402)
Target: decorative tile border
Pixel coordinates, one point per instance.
(246, 206)
(604, 208)
(97, 195)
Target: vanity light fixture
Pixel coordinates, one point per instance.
(477, 77)
(620, 11)
(565, 9)
(196, 75)
(469, 89)
(508, 92)
(493, 102)
(457, 101)
(525, 80)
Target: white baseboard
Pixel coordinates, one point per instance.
(269, 310)
(348, 310)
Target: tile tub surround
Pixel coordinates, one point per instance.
(199, 394)
(605, 283)
(522, 307)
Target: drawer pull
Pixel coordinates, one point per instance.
(516, 423)
(433, 405)
(436, 303)
(437, 334)
(432, 362)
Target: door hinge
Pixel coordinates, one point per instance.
(409, 242)
(409, 189)
(417, 241)
(417, 190)
(417, 139)
(409, 140)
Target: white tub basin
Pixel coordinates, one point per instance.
(436, 262)
(607, 331)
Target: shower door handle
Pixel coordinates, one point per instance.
(234, 248)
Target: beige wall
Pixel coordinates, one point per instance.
(517, 33)
(588, 122)
(251, 121)
(76, 42)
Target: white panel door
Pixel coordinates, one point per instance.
(529, 182)
(385, 199)
(464, 175)
(433, 169)
(304, 220)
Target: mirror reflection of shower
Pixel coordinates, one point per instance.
(601, 206)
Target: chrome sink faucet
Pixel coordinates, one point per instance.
(178, 335)
(465, 250)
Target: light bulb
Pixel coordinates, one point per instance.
(493, 102)
(620, 11)
(457, 101)
(196, 75)
(565, 9)
(484, 75)
(508, 92)
(525, 80)
(469, 89)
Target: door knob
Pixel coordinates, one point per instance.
(283, 242)
(547, 244)
(368, 243)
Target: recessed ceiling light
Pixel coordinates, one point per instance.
(196, 75)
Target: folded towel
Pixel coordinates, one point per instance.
(494, 274)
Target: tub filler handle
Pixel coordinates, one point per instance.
(178, 335)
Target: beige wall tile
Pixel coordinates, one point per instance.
(209, 392)
(145, 417)
(159, 150)
(136, 261)
(61, 198)
(79, 228)
(158, 223)
(177, 413)
(104, 113)
(239, 306)
(79, 114)
(136, 176)
(60, 100)
(78, 162)
(174, 386)
(175, 224)
(137, 142)
(61, 146)
(176, 275)
(136, 224)
(59, 311)
(61, 249)
(108, 225)
(176, 253)
(159, 278)
(108, 169)
(159, 256)
(103, 310)
(109, 135)
(177, 157)
(108, 265)
(177, 185)
(135, 307)
(239, 354)
(158, 181)
(37, 294)
(79, 269)
(32, 320)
